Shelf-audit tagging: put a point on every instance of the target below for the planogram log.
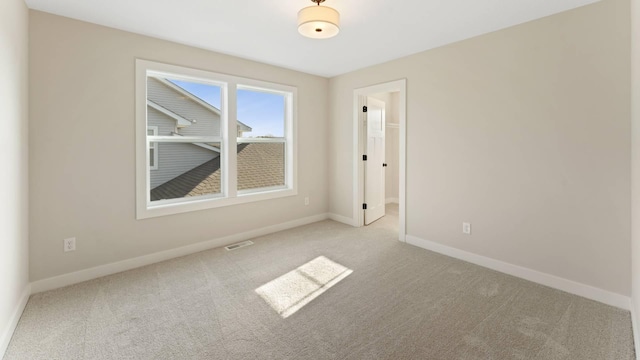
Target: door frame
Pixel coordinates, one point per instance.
(358, 150)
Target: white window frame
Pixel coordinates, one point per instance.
(229, 193)
(154, 147)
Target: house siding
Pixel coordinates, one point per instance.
(207, 124)
(174, 159)
(165, 124)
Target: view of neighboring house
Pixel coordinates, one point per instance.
(191, 169)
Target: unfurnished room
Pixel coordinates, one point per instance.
(320, 179)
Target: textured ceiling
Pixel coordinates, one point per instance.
(372, 31)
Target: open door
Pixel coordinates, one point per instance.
(374, 187)
(361, 170)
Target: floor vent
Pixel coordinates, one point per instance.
(239, 245)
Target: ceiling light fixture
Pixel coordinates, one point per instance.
(318, 22)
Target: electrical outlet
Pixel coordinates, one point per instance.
(466, 228)
(69, 244)
(306, 201)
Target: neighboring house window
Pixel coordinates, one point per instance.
(212, 140)
(153, 148)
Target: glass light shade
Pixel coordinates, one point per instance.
(318, 22)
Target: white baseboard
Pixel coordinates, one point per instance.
(392, 200)
(634, 325)
(7, 333)
(342, 219)
(570, 286)
(124, 265)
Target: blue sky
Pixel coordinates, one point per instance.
(263, 112)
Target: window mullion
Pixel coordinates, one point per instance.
(230, 133)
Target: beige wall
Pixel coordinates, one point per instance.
(523, 132)
(82, 148)
(14, 255)
(635, 177)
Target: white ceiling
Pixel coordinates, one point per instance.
(372, 31)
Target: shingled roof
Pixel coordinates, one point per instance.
(260, 165)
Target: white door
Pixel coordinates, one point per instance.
(374, 195)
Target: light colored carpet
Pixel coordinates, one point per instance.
(400, 302)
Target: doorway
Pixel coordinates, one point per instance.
(375, 112)
(380, 149)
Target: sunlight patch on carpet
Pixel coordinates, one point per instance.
(295, 289)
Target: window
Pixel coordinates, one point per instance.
(207, 140)
(153, 148)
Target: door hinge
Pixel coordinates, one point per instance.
(364, 206)
(364, 157)
(364, 109)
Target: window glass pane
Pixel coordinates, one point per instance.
(261, 162)
(183, 108)
(261, 165)
(152, 152)
(180, 108)
(260, 114)
(152, 131)
(186, 170)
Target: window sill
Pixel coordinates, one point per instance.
(151, 211)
